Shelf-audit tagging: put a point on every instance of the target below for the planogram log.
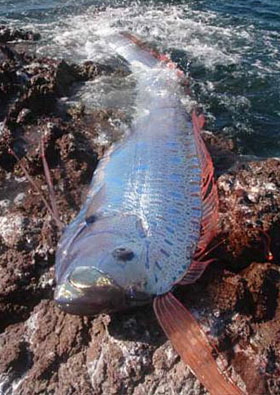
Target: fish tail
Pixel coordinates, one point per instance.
(192, 345)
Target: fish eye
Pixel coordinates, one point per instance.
(123, 254)
(90, 219)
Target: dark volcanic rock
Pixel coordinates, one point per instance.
(9, 34)
(250, 212)
(43, 350)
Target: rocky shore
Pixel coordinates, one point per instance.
(43, 350)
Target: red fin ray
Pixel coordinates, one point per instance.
(195, 270)
(192, 345)
(201, 121)
(164, 58)
(209, 193)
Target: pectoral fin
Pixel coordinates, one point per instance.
(192, 345)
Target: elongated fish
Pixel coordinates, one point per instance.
(149, 215)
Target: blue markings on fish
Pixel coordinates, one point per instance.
(141, 223)
(128, 197)
(151, 211)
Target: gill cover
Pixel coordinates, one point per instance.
(99, 266)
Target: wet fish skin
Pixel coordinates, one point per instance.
(151, 211)
(144, 200)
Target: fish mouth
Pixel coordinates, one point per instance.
(88, 291)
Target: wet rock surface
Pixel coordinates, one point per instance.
(10, 34)
(45, 351)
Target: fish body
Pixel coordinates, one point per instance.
(144, 197)
(151, 211)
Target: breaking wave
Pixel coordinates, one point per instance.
(231, 53)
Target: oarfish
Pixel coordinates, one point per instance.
(150, 213)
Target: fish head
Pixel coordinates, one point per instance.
(100, 266)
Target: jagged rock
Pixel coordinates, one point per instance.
(8, 34)
(236, 302)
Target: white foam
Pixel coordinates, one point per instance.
(205, 38)
(84, 37)
(173, 26)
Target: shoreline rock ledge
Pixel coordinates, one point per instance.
(43, 350)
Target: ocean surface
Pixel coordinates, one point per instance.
(230, 49)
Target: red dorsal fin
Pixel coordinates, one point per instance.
(195, 270)
(192, 345)
(208, 188)
(201, 121)
(137, 41)
(209, 221)
(164, 58)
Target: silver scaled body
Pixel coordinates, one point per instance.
(139, 227)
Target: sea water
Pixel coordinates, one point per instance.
(230, 50)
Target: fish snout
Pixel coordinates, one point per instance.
(88, 291)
